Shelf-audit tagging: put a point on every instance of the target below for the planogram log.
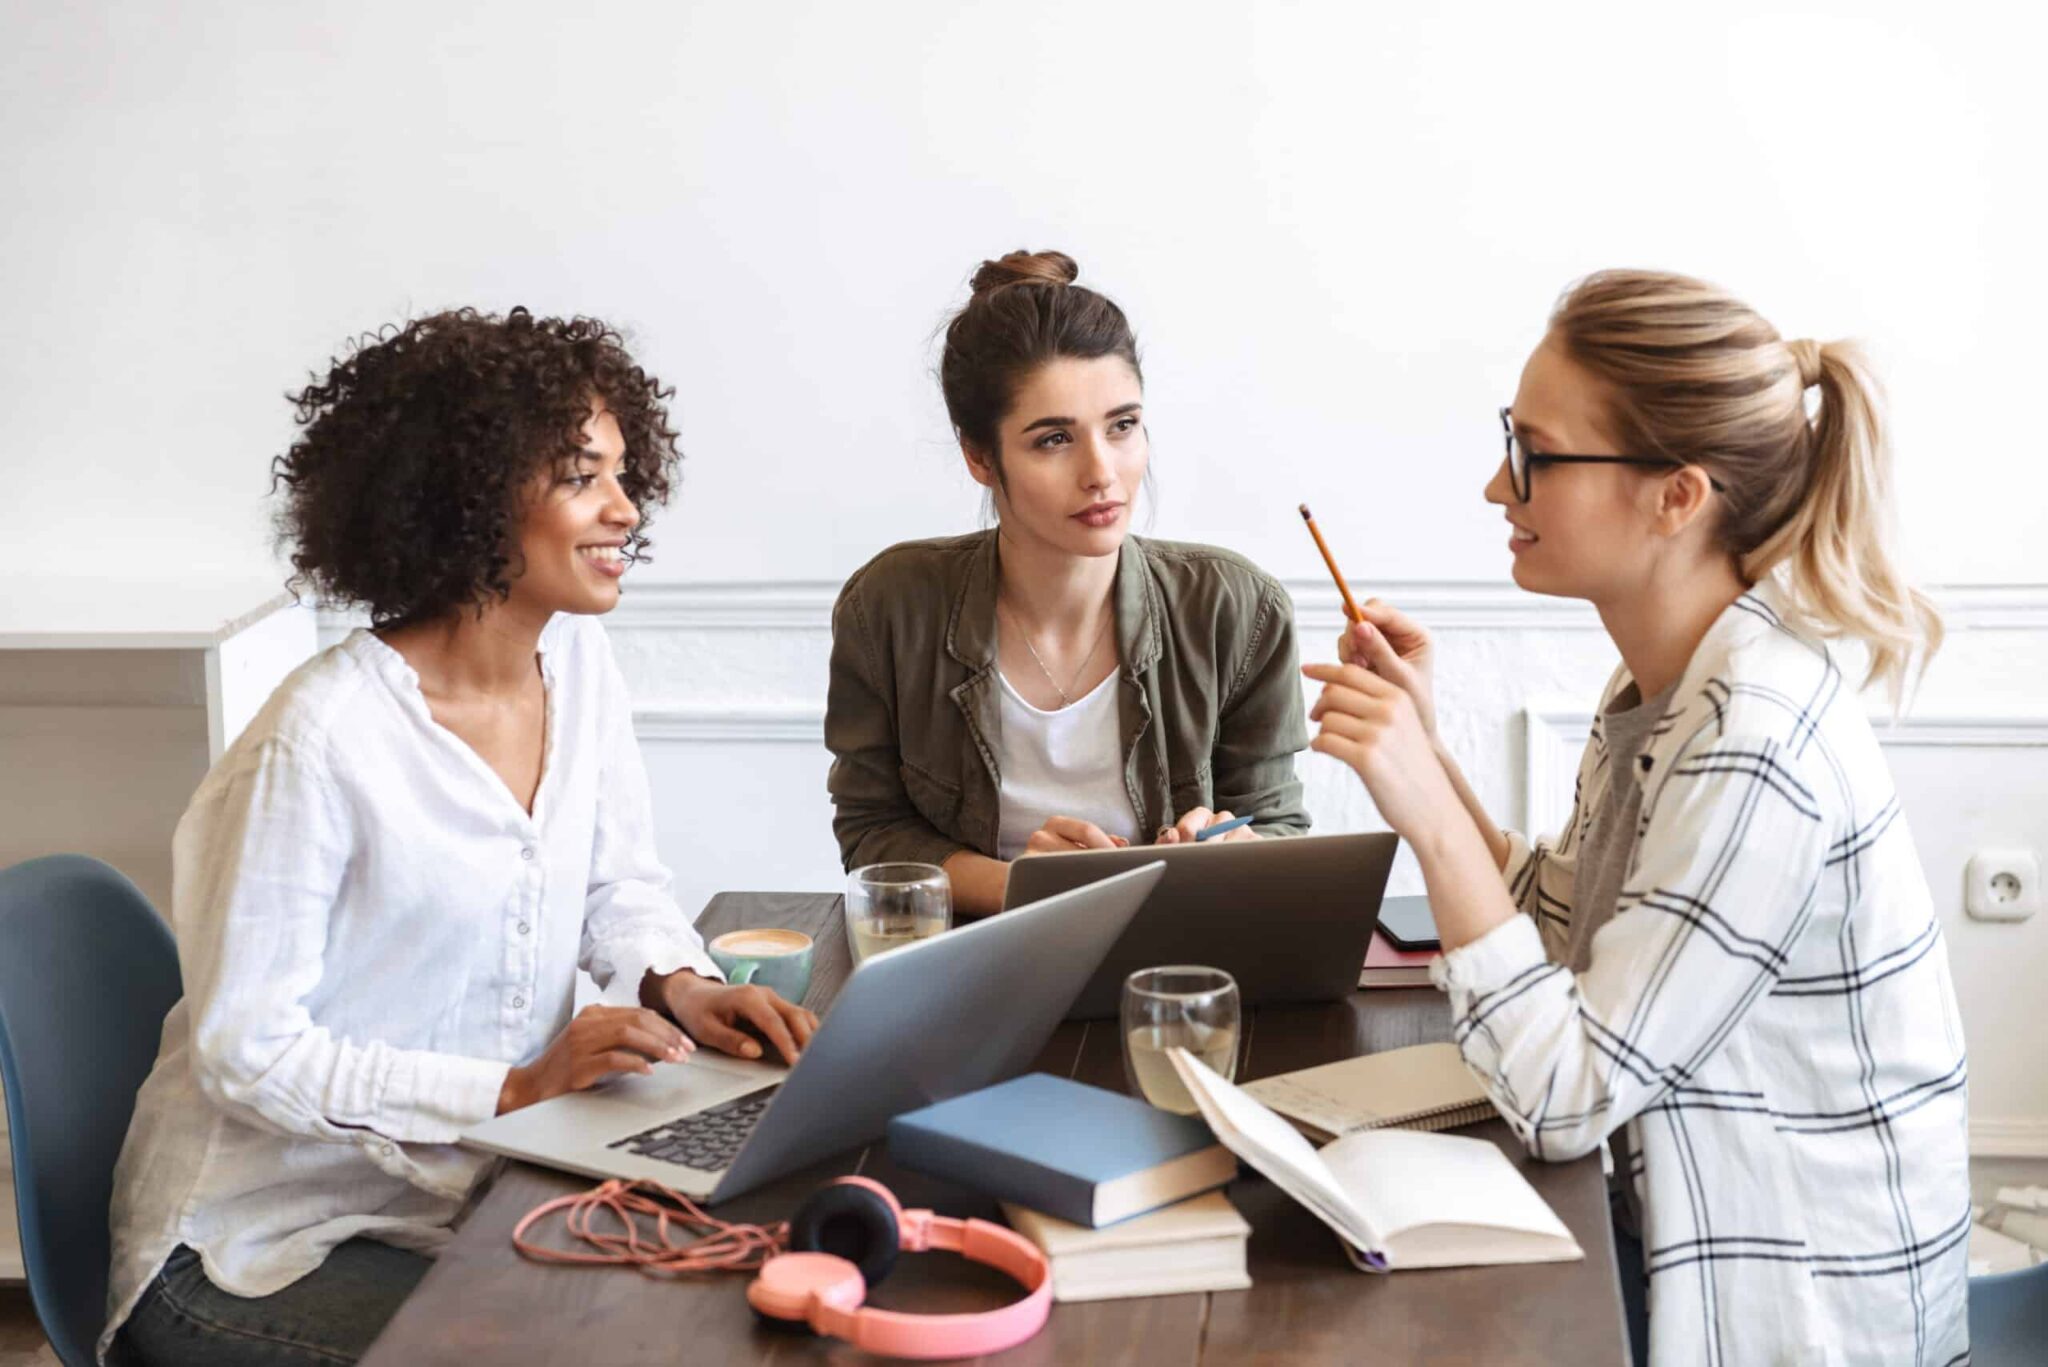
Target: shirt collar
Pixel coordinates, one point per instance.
(370, 649)
(971, 631)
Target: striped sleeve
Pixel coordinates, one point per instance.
(1540, 873)
(1539, 876)
(1724, 879)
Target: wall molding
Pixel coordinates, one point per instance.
(2008, 1138)
(806, 605)
(1554, 737)
(796, 725)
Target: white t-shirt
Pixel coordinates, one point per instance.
(1064, 763)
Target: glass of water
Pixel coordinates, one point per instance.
(889, 905)
(1181, 1006)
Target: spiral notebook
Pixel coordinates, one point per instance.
(1422, 1087)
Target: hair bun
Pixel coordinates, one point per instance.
(1026, 268)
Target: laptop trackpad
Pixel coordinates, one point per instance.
(674, 1089)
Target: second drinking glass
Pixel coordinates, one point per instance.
(889, 905)
(1182, 1006)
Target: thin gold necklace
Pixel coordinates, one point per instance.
(1066, 700)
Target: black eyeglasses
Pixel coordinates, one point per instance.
(1522, 461)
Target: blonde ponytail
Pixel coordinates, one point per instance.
(1835, 550)
(1699, 377)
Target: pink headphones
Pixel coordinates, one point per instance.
(845, 1238)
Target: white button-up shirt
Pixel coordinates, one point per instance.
(1768, 1014)
(372, 930)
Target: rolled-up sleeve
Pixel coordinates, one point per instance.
(1724, 880)
(259, 862)
(632, 925)
(1262, 726)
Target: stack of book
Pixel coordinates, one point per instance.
(1403, 947)
(1194, 1245)
(1386, 966)
(1122, 1197)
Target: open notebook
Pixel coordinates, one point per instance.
(1422, 1087)
(1396, 1198)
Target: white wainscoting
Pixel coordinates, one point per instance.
(730, 679)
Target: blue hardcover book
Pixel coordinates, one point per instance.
(1079, 1153)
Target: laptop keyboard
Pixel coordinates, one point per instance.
(706, 1140)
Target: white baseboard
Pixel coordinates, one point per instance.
(2009, 1138)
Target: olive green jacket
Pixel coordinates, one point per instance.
(1210, 707)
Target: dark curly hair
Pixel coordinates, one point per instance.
(404, 487)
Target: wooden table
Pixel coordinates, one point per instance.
(482, 1303)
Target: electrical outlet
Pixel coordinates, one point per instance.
(2002, 885)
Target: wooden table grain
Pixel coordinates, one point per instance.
(482, 1303)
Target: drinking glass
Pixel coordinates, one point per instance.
(889, 905)
(1180, 1006)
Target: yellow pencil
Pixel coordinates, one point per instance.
(1351, 612)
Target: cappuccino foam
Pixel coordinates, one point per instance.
(762, 943)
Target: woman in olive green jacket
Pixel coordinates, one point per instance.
(1055, 683)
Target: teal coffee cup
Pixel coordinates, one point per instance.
(767, 957)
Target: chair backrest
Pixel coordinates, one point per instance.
(2009, 1318)
(87, 973)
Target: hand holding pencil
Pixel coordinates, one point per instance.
(1383, 639)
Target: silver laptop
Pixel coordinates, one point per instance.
(1290, 918)
(919, 1024)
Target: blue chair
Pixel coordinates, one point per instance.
(87, 973)
(2009, 1318)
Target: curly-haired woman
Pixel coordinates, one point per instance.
(384, 888)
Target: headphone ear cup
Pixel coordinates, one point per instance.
(849, 1222)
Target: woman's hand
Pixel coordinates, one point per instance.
(1371, 724)
(1394, 646)
(600, 1041)
(713, 1012)
(1184, 831)
(1063, 834)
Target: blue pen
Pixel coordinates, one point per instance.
(1223, 827)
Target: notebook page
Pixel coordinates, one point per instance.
(1403, 1179)
(1276, 1149)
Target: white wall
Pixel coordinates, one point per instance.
(1337, 227)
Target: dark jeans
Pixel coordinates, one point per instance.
(1635, 1290)
(327, 1317)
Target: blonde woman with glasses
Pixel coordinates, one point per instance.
(1727, 966)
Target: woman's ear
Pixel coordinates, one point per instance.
(1683, 499)
(981, 466)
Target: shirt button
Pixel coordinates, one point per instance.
(524, 928)
(519, 1003)
(526, 852)
(385, 1148)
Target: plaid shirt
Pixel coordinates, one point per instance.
(1769, 1015)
